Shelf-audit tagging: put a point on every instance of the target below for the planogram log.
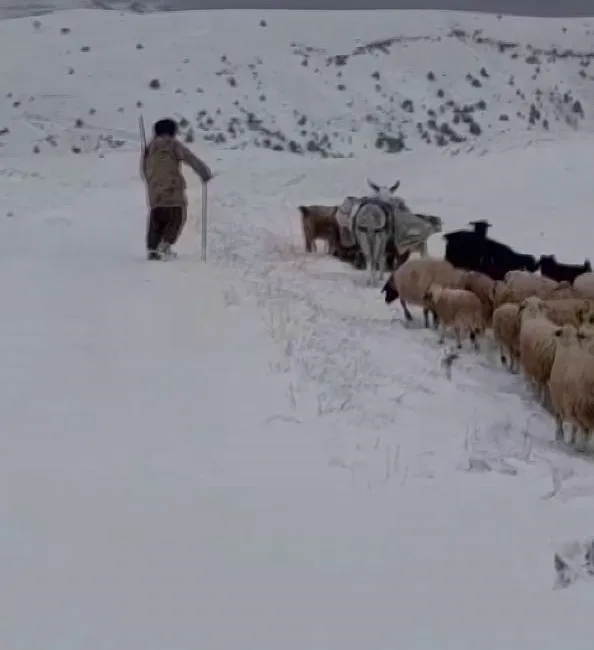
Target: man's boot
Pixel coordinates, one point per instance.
(166, 251)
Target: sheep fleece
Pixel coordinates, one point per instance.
(571, 386)
(566, 311)
(506, 326)
(537, 348)
(584, 285)
(414, 277)
(460, 308)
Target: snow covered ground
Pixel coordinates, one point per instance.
(254, 452)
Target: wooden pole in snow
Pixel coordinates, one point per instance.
(204, 220)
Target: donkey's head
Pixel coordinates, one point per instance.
(384, 193)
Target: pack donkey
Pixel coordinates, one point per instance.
(384, 229)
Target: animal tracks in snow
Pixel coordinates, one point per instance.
(355, 367)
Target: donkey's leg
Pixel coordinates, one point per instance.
(373, 268)
(332, 240)
(390, 254)
(365, 252)
(382, 258)
(378, 253)
(371, 265)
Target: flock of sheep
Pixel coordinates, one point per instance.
(541, 314)
(544, 326)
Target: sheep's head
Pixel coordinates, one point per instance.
(391, 294)
(568, 335)
(531, 307)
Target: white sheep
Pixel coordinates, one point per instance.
(457, 308)
(584, 285)
(506, 330)
(518, 278)
(569, 311)
(482, 286)
(564, 290)
(411, 281)
(571, 385)
(537, 344)
(519, 285)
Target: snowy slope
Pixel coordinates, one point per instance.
(332, 84)
(254, 452)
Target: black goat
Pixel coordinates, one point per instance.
(464, 248)
(499, 259)
(550, 268)
(472, 250)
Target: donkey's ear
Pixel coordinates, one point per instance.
(373, 186)
(394, 187)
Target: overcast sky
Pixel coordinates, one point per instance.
(560, 8)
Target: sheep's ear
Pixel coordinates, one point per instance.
(373, 186)
(394, 187)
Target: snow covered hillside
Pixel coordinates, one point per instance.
(329, 84)
(254, 453)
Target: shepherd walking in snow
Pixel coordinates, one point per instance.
(160, 169)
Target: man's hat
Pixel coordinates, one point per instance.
(166, 126)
